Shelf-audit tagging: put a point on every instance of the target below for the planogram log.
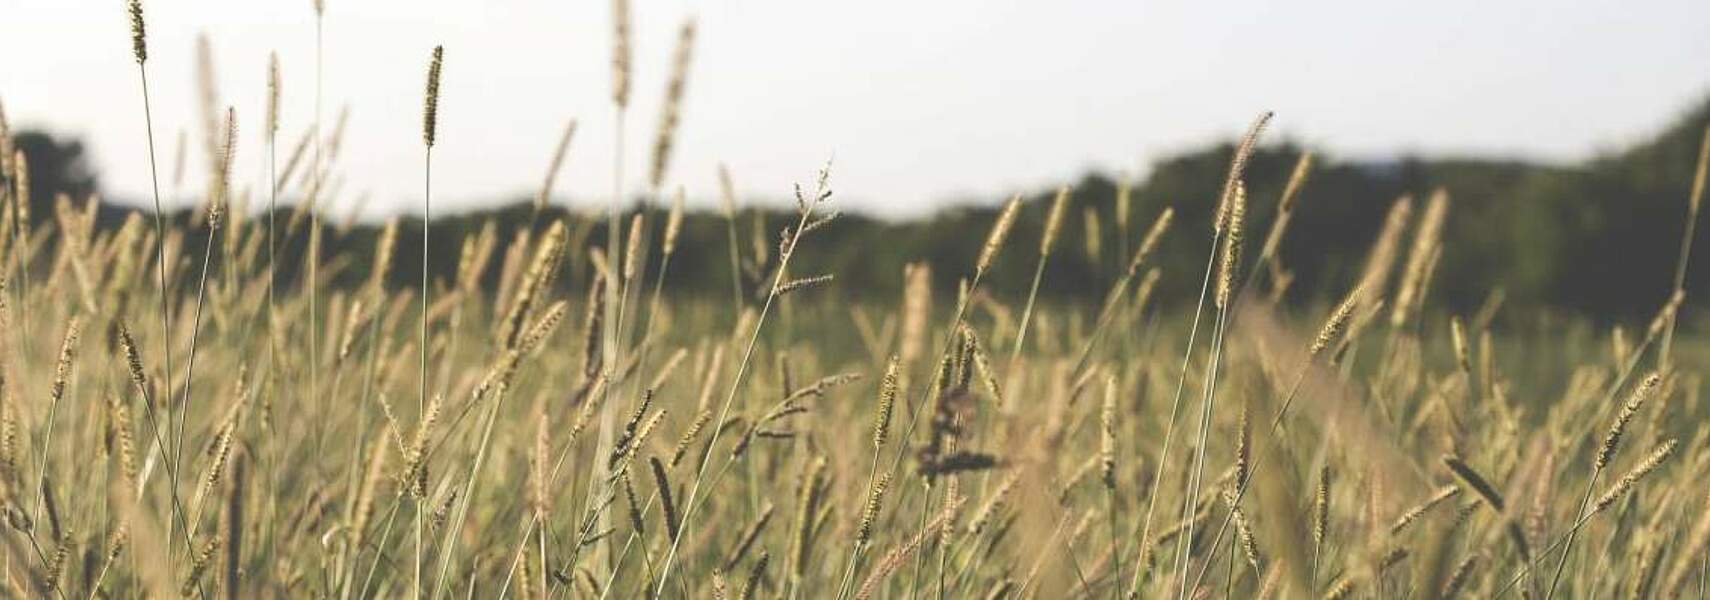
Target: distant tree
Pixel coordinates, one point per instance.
(56, 166)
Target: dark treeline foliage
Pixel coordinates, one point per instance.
(1599, 238)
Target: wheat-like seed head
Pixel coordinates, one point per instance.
(620, 53)
(795, 285)
(808, 496)
(1374, 277)
(1653, 460)
(1054, 221)
(199, 566)
(362, 508)
(1000, 231)
(666, 502)
(1426, 242)
(1230, 260)
(689, 435)
(671, 112)
(1612, 440)
(139, 33)
(1296, 181)
(430, 105)
(133, 360)
(627, 435)
(751, 587)
(1321, 506)
(67, 356)
(1150, 243)
(1337, 323)
(273, 84)
(632, 251)
(674, 223)
(557, 163)
(1458, 576)
(1413, 514)
(1238, 167)
(887, 402)
(56, 564)
(1340, 589)
(119, 420)
(384, 248)
(222, 180)
(1094, 234)
(352, 326)
(1249, 542)
(220, 453)
(983, 516)
(1244, 448)
(870, 514)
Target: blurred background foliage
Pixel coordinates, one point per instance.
(1598, 239)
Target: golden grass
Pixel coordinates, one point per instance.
(787, 444)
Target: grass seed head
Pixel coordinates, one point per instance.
(430, 105)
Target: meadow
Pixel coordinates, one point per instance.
(534, 415)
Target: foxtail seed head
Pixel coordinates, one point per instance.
(1237, 167)
(1653, 460)
(1054, 221)
(1000, 231)
(620, 53)
(1337, 323)
(272, 95)
(139, 33)
(887, 403)
(671, 113)
(1296, 180)
(869, 515)
(430, 107)
(1231, 259)
(674, 223)
(1150, 242)
(1612, 440)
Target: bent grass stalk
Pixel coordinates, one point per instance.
(736, 385)
(1217, 231)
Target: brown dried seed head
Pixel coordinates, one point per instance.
(139, 33)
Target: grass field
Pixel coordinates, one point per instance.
(549, 422)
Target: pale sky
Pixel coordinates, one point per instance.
(919, 102)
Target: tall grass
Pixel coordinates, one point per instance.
(666, 445)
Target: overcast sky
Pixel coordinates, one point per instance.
(918, 101)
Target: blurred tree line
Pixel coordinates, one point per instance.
(1599, 238)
